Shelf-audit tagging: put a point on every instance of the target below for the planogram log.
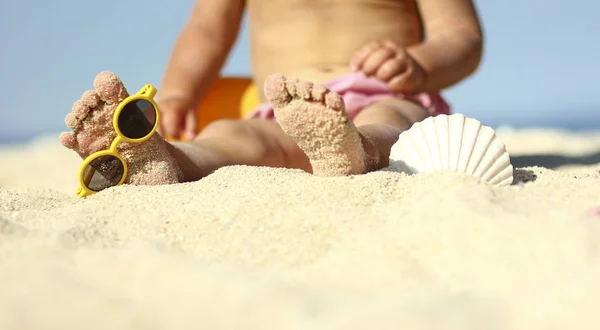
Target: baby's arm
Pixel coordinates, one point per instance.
(197, 59)
(202, 47)
(453, 42)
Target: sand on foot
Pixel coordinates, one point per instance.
(91, 124)
(315, 118)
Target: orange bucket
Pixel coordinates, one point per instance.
(228, 98)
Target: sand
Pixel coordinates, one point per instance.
(259, 248)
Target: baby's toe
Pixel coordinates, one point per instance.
(304, 89)
(90, 99)
(276, 91)
(109, 87)
(68, 140)
(318, 92)
(334, 101)
(74, 118)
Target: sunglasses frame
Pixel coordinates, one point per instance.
(147, 94)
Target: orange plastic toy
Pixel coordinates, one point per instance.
(228, 98)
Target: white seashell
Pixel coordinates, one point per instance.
(455, 143)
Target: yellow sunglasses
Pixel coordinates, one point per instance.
(135, 120)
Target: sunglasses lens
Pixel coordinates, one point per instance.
(103, 172)
(137, 119)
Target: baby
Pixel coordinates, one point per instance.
(377, 68)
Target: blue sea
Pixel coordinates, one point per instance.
(573, 124)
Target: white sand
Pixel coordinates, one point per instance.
(257, 248)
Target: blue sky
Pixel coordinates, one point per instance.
(540, 66)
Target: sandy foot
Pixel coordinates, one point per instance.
(316, 119)
(149, 162)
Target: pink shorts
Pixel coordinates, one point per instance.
(359, 91)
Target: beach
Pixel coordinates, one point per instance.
(263, 248)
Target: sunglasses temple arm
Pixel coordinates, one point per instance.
(148, 90)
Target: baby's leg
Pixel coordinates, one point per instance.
(381, 124)
(155, 161)
(316, 119)
(254, 142)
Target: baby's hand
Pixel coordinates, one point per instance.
(389, 63)
(178, 120)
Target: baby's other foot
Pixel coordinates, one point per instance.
(90, 120)
(315, 118)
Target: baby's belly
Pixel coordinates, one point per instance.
(317, 43)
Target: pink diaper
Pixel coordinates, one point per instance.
(359, 91)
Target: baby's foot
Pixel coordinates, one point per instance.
(316, 119)
(149, 162)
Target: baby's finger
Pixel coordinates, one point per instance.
(388, 44)
(360, 56)
(375, 60)
(173, 124)
(391, 68)
(403, 82)
(397, 83)
(160, 129)
(191, 125)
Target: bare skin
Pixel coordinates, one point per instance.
(321, 139)
(381, 38)
(413, 45)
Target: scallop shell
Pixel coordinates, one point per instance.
(456, 143)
